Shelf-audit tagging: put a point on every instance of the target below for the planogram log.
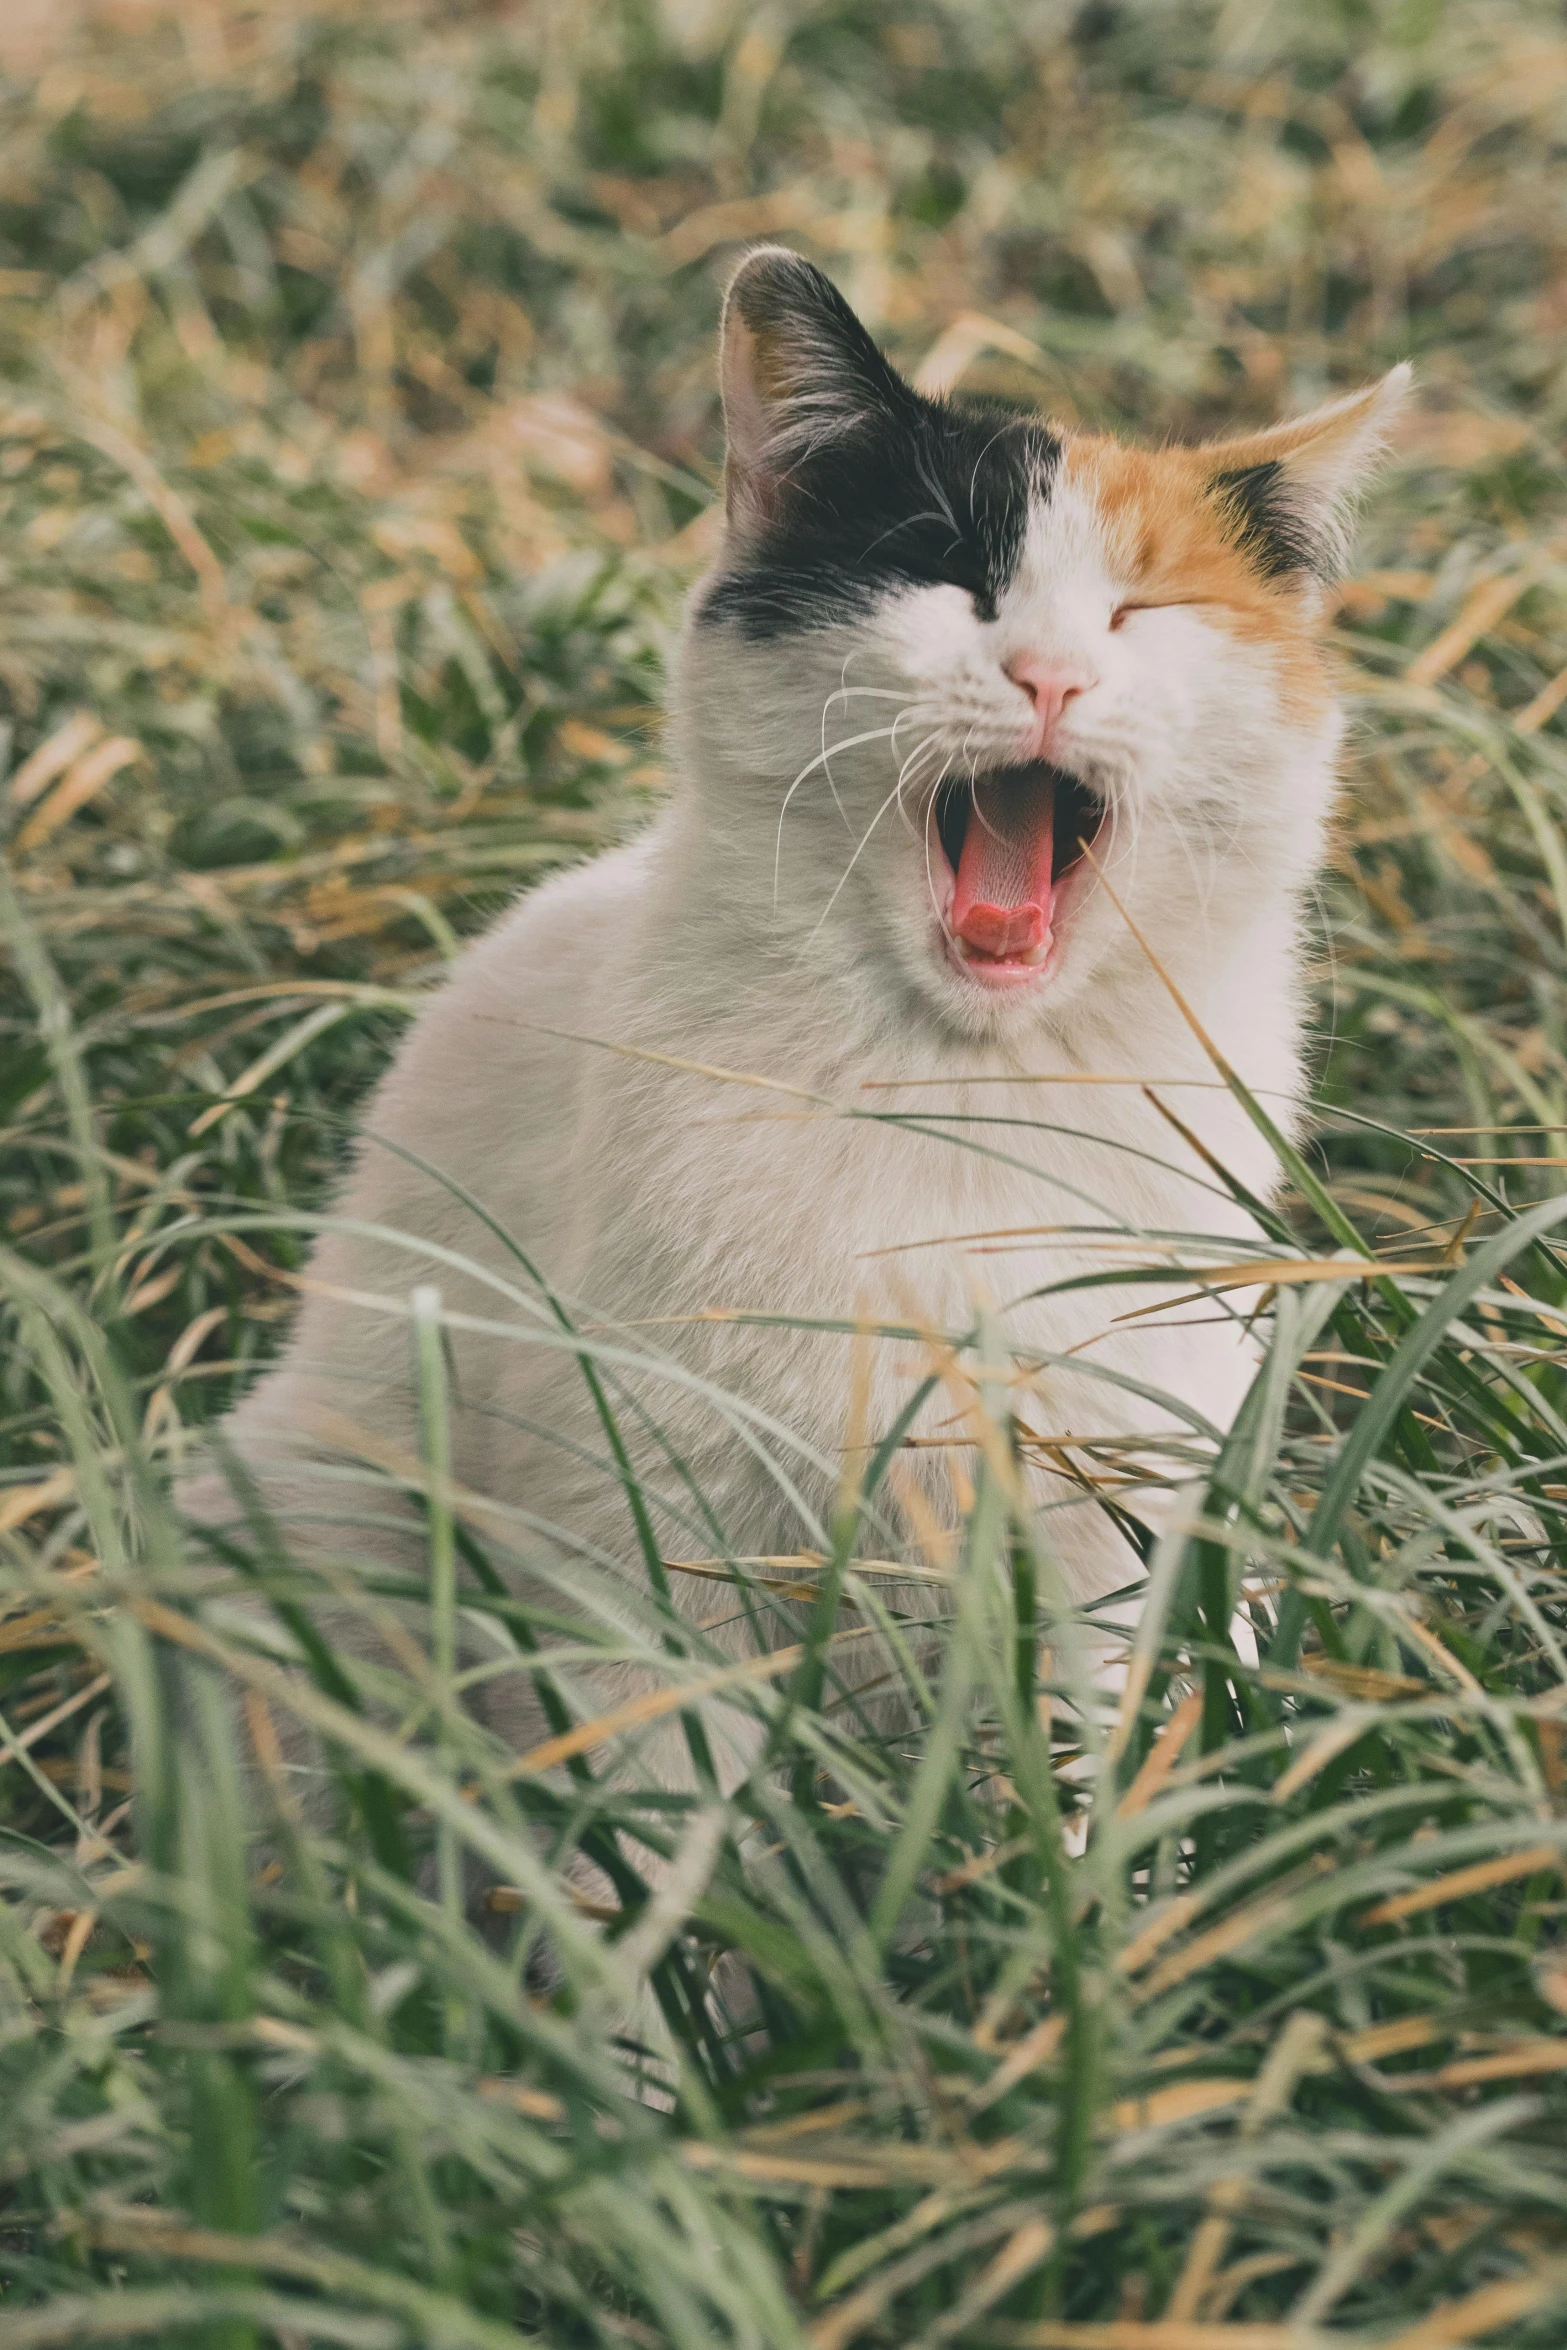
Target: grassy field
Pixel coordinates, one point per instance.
(358, 438)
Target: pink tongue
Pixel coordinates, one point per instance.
(1002, 902)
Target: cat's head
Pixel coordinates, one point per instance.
(959, 681)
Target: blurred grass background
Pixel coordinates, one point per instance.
(358, 438)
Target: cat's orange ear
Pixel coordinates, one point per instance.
(797, 370)
(1288, 495)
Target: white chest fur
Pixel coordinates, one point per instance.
(652, 1195)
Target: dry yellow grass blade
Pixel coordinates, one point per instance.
(792, 207)
(1019, 2256)
(1523, 2062)
(1420, 1635)
(18, 1503)
(1047, 1077)
(1379, 2040)
(1374, 588)
(275, 1057)
(844, 2318)
(1531, 1306)
(1138, 1675)
(1545, 705)
(1036, 2048)
(1162, 1757)
(1231, 1933)
(654, 1704)
(41, 1629)
(537, 2104)
(182, 1353)
(81, 782)
(1367, 1681)
(850, 2317)
(1183, 1006)
(1110, 1246)
(345, 991)
(1276, 1273)
(53, 755)
(1464, 2322)
(1231, 2282)
(638, 1052)
(1156, 1933)
(983, 1864)
(75, 1943)
(170, 508)
(957, 347)
(1318, 1755)
(805, 2125)
(1179, 2103)
(1479, 1879)
(788, 1566)
(51, 1721)
(1296, 2050)
(887, 2165)
(1485, 605)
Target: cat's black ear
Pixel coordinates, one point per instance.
(798, 371)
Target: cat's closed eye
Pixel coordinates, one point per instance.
(1123, 612)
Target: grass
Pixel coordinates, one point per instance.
(357, 440)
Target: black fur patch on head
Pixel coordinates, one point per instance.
(874, 487)
(1263, 522)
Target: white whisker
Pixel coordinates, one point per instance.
(842, 693)
(916, 754)
(973, 479)
(894, 794)
(873, 735)
(905, 772)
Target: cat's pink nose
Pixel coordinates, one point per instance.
(1049, 685)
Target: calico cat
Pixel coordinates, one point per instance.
(998, 750)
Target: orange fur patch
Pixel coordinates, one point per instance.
(1174, 540)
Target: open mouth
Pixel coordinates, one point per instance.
(1014, 841)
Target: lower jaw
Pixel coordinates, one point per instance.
(1003, 974)
(1015, 975)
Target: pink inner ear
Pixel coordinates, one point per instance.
(1001, 904)
(747, 419)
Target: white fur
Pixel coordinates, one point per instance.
(778, 919)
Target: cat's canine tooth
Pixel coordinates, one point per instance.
(1036, 955)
